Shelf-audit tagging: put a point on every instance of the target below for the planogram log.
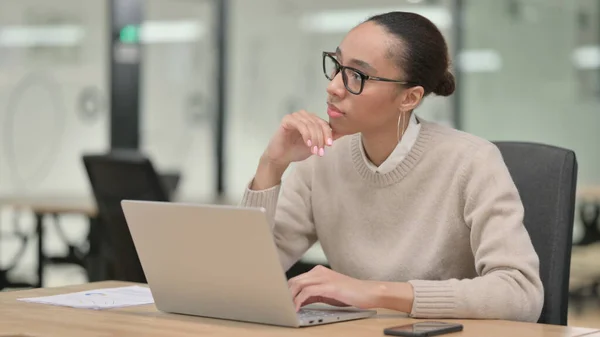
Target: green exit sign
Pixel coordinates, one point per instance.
(130, 34)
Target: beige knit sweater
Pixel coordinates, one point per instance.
(448, 220)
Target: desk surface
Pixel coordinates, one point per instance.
(31, 319)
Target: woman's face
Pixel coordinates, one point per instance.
(368, 48)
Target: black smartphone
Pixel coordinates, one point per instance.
(423, 329)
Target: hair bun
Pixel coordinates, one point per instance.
(446, 86)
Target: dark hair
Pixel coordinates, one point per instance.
(425, 57)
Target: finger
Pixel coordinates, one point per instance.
(314, 133)
(292, 122)
(308, 274)
(321, 129)
(296, 279)
(320, 137)
(316, 293)
(319, 269)
(297, 285)
(327, 132)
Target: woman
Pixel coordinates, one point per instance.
(411, 215)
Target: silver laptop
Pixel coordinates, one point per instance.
(219, 262)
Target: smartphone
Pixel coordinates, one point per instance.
(423, 329)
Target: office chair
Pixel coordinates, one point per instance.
(118, 175)
(546, 178)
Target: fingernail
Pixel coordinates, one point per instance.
(308, 142)
(314, 150)
(329, 141)
(321, 152)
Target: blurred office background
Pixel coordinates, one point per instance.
(213, 80)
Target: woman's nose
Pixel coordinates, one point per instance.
(336, 86)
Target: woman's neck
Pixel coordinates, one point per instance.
(380, 145)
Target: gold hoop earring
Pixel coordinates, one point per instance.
(400, 124)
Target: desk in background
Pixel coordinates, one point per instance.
(52, 207)
(590, 192)
(31, 319)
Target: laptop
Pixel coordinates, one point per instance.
(219, 262)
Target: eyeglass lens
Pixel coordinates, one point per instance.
(352, 79)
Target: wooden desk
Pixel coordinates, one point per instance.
(31, 319)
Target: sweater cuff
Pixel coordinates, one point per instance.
(266, 199)
(434, 299)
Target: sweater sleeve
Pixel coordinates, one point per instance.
(289, 211)
(508, 285)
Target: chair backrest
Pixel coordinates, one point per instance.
(118, 175)
(546, 177)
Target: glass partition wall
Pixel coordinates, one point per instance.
(530, 72)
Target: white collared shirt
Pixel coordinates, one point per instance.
(400, 151)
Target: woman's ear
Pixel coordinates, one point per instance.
(411, 97)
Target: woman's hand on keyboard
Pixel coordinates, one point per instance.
(323, 285)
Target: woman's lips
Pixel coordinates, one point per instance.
(334, 112)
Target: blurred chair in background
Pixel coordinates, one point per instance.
(118, 175)
(590, 217)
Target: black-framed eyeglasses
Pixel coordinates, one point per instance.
(354, 79)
